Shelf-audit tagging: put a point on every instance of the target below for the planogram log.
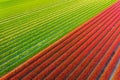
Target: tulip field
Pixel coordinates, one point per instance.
(59, 39)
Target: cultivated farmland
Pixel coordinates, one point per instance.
(27, 27)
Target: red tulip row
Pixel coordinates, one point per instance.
(116, 74)
(109, 69)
